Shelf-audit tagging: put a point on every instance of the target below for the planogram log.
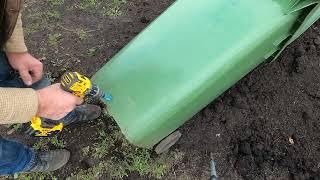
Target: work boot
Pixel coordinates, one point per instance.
(50, 161)
(82, 113)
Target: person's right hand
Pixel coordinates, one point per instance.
(55, 103)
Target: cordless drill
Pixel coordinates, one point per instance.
(77, 84)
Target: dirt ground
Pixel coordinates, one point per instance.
(264, 127)
(267, 125)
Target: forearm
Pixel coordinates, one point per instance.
(16, 43)
(17, 105)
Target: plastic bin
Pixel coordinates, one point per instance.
(190, 55)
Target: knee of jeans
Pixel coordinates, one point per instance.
(44, 82)
(5, 68)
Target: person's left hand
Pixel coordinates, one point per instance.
(30, 68)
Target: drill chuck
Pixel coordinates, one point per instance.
(96, 93)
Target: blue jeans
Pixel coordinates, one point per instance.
(16, 157)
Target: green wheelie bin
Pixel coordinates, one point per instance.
(190, 55)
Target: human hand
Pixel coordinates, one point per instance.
(55, 103)
(30, 68)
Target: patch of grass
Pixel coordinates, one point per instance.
(82, 34)
(114, 9)
(57, 143)
(32, 28)
(48, 75)
(34, 175)
(118, 2)
(35, 15)
(89, 174)
(56, 2)
(44, 143)
(85, 151)
(92, 51)
(112, 12)
(159, 171)
(54, 39)
(87, 4)
(117, 158)
(139, 161)
(116, 169)
(43, 49)
(16, 127)
(36, 21)
(101, 149)
(4, 177)
(55, 15)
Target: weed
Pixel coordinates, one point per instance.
(92, 51)
(42, 144)
(118, 2)
(16, 127)
(58, 63)
(86, 4)
(140, 161)
(117, 158)
(159, 171)
(54, 39)
(35, 16)
(85, 151)
(163, 163)
(48, 75)
(38, 21)
(43, 49)
(89, 174)
(34, 175)
(82, 34)
(53, 14)
(100, 122)
(114, 9)
(57, 143)
(32, 29)
(4, 177)
(29, 30)
(116, 169)
(101, 149)
(56, 2)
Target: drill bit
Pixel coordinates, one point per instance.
(107, 97)
(213, 171)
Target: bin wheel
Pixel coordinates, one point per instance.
(167, 142)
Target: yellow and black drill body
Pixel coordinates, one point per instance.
(76, 84)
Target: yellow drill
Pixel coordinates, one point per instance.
(77, 84)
